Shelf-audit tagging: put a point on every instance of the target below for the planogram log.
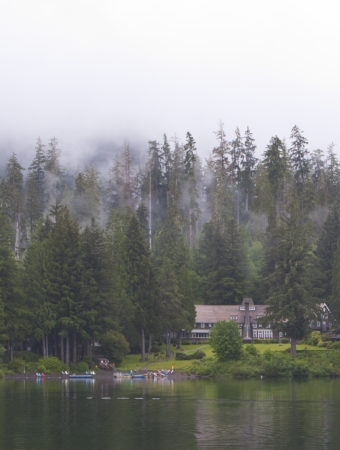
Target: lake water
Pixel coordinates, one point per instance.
(198, 414)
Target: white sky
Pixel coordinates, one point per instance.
(83, 69)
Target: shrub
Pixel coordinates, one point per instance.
(17, 365)
(27, 356)
(80, 366)
(251, 350)
(335, 345)
(313, 339)
(300, 369)
(181, 356)
(114, 346)
(185, 356)
(226, 341)
(50, 365)
(197, 355)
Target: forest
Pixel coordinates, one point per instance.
(119, 257)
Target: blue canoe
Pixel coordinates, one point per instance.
(81, 376)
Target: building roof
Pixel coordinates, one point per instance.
(216, 313)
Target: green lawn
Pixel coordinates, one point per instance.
(134, 362)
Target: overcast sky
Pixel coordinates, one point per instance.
(83, 70)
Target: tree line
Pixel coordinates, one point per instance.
(120, 258)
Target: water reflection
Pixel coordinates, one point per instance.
(167, 414)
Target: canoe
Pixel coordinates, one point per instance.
(81, 376)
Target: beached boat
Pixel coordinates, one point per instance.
(83, 375)
(121, 375)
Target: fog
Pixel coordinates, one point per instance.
(100, 73)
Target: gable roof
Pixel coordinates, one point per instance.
(216, 313)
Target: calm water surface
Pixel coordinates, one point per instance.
(199, 414)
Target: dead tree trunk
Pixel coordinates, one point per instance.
(293, 346)
(74, 358)
(143, 345)
(67, 356)
(62, 355)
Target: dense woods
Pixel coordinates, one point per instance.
(120, 257)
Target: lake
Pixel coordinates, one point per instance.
(193, 414)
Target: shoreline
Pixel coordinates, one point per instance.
(105, 376)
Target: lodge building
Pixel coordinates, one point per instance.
(248, 317)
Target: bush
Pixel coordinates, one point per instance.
(50, 365)
(27, 356)
(197, 355)
(17, 365)
(181, 356)
(114, 346)
(313, 339)
(80, 366)
(226, 341)
(334, 345)
(251, 350)
(185, 356)
(300, 369)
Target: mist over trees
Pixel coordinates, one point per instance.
(121, 256)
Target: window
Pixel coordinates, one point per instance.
(233, 317)
(255, 333)
(202, 325)
(254, 325)
(264, 334)
(318, 324)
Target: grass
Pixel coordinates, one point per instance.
(134, 362)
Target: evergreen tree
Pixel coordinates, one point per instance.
(325, 251)
(140, 280)
(299, 157)
(86, 201)
(290, 301)
(275, 164)
(13, 314)
(35, 188)
(66, 286)
(222, 263)
(332, 174)
(12, 199)
(190, 197)
(248, 164)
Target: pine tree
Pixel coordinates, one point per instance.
(299, 157)
(190, 195)
(35, 188)
(325, 251)
(275, 164)
(86, 201)
(12, 199)
(290, 301)
(66, 284)
(13, 314)
(140, 280)
(248, 164)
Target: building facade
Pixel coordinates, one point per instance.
(248, 317)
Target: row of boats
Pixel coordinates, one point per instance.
(132, 374)
(150, 374)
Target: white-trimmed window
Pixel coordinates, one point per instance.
(202, 325)
(254, 325)
(255, 333)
